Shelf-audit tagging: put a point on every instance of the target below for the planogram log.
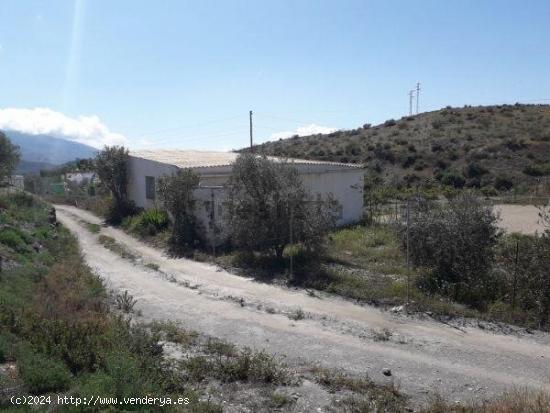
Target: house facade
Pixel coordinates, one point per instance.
(343, 181)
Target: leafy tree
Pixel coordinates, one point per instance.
(456, 241)
(528, 281)
(9, 156)
(265, 199)
(176, 193)
(112, 168)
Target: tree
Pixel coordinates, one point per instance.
(9, 156)
(456, 241)
(176, 193)
(111, 165)
(267, 201)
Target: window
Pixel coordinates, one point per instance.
(150, 187)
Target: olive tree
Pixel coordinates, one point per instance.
(268, 205)
(111, 165)
(176, 194)
(9, 156)
(456, 242)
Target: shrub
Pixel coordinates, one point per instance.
(42, 374)
(265, 198)
(453, 178)
(22, 199)
(176, 192)
(7, 347)
(475, 170)
(537, 170)
(149, 222)
(9, 156)
(503, 183)
(12, 239)
(111, 165)
(456, 241)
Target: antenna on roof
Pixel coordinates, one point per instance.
(251, 144)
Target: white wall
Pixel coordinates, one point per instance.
(345, 184)
(139, 169)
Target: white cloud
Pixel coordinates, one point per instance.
(301, 131)
(84, 129)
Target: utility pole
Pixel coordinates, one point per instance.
(411, 95)
(251, 144)
(291, 237)
(408, 253)
(515, 278)
(213, 223)
(417, 95)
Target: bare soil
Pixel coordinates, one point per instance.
(523, 219)
(425, 356)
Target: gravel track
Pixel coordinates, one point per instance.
(425, 356)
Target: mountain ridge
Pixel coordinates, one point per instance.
(43, 151)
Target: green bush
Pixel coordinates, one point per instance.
(42, 374)
(12, 239)
(7, 347)
(456, 242)
(537, 170)
(503, 183)
(149, 222)
(22, 199)
(454, 179)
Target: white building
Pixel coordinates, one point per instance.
(80, 178)
(343, 181)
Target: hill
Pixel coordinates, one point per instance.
(492, 147)
(25, 167)
(39, 151)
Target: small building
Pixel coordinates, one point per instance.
(343, 181)
(80, 178)
(17, 182)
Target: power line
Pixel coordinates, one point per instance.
(178, 128)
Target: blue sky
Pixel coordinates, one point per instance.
(185, 74)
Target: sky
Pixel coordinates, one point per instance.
(184, 74)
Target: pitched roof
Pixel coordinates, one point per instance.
(207, 159)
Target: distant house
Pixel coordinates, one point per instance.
(17, 182)
(80, 178)
(343, 181)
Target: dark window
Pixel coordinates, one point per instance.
(150, 187)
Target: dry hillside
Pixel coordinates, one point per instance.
(491, 147)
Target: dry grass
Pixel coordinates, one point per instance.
(516, 401)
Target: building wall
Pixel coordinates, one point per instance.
(345, 185)
(139, 169)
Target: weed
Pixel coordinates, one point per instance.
(111, 244)
(93, 228)
(125, 302)
(297, 314)
(152, 266)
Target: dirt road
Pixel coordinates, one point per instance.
(425, 356)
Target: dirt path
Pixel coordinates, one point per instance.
(425, 356)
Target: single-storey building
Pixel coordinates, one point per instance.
(81, 178)
(343, 181)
